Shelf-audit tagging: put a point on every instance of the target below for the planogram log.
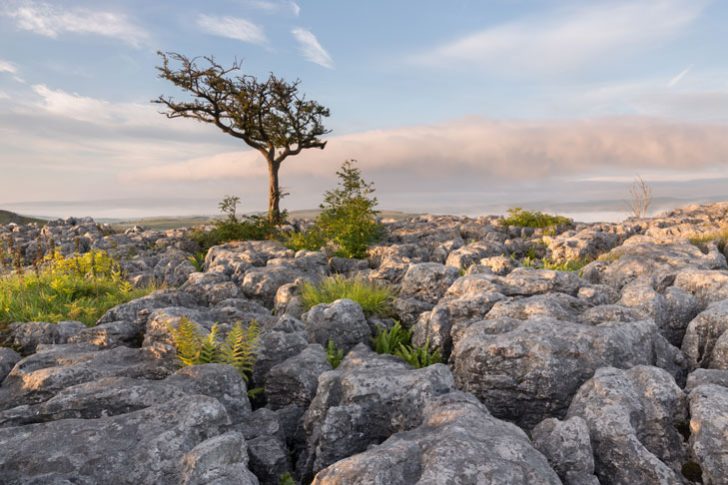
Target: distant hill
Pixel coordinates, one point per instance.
(6, 217)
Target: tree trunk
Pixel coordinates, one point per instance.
(274, 193)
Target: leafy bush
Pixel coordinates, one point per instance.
(348, 218)
(333, 354)
(535, 219)
(389, 341)
(312, 239)
(80, 287)
(374, 299)
(397, 341)
(195, 348)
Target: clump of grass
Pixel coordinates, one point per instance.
(195, 348)
(374, 299)
(80, 287)
(719, 237)
(419, 357)
(535, 219)
(569, 265)
(198, 260)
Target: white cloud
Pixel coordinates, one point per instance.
(8, 67)
(51, 21)
(679, 77)
(311, 48)
(568, 39)
(233, 28)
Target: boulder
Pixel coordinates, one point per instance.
(567, 447)
(342, 321)
(365, 400)
(8, 359)
(295, 380)
(427, 282)
(26, 336)
(526, 371)
(708, 425)
(633, 417)
(458, 442)
(706, 339)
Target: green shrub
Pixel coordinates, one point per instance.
(80, 287)
(388, 341)
(570, 265)
(348, 218)
(195, 348)
(333, 354)
(374, 299)
(535, 219)
(312, 239)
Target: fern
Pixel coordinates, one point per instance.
(419, 357)
(187, 340)
(209, 348)
(333, 354)
(286, 479)
(389, 341)
(240, 347)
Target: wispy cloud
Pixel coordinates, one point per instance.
(233, 28)
(51, 21)
(8, 67)
(567, 39)
(273, 6)
(311, 48)
(679, 76)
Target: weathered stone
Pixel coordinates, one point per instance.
(553, 305)
(28, 335)
(295, 380)
(526, 371)
(268, 459)
(144, 446)
(8, 359)
(342, 321)
(427, 282)
(633, 418)
(458, 442)
(708, 425)
(567, 447)
(365, 400)
(704, 344)
(220, 460)
(699, 377)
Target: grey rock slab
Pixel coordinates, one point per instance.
(704, 343)
(295, 380)
(567, 446)
(8, 359)
(342, 321)
(365, 400)
(708, 425)
(633, 418)
(458, 442)
(141, 447)
(526, 371)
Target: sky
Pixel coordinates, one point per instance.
(459, 106)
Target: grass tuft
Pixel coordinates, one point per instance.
(80, 287)
(374, 299)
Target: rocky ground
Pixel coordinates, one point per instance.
(614, 375)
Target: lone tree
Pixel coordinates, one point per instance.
(270, 116)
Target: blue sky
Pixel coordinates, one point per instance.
(435, 99)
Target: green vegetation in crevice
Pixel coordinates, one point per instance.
(333, 354)
(397, 341)
(374, 298)
(238, 349)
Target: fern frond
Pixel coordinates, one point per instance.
(334, 355)
(187, 341)
(209, 348)
(240, 348)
